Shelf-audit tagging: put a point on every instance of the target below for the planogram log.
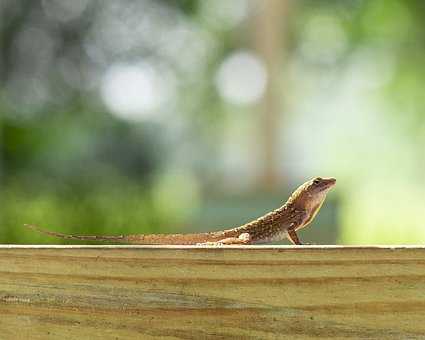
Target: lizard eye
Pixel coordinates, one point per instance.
(316, 181)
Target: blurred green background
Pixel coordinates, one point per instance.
(147, 116)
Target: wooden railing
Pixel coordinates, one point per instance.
(270, 292)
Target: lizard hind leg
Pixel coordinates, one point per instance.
(242, 239)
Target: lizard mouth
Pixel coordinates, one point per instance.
(329, 182)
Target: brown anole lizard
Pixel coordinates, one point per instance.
(300, 209)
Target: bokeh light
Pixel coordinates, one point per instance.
(133, 91)
(241, 78)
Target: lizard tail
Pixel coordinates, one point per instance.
(119, 238)
(166, 239)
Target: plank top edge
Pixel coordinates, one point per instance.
(252, 247)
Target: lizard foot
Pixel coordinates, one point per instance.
(214, 244)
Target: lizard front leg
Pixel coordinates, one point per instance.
(244, 238)
(293, 237)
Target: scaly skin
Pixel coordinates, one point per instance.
(296, 213)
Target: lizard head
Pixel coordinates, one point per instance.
(312, 193)
(320, 185)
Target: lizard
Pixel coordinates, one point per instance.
(298, 211)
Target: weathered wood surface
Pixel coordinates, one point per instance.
(120, 292)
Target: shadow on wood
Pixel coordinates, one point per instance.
(256, 292)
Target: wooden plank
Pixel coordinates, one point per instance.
(258, 292)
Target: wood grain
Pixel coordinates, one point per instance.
(256, 292)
